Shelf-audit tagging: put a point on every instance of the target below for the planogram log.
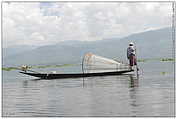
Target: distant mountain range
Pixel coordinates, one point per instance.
(150, 44)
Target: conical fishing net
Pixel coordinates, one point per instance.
(93, 63)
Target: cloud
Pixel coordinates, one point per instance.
(42, 23)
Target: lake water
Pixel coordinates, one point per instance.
(153, 94)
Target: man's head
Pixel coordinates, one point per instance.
(131, 44)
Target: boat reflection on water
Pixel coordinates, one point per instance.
(133, 94)
(133, 81)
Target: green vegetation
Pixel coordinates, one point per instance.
(163, 73)
(10, 68)
(39, 67)
(156, 59)
(54, 66)
(141, 60)
(167, 59)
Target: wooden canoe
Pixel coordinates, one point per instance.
(76, 75)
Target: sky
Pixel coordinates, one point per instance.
(46, 23)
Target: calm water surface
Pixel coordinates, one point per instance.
(150, 95)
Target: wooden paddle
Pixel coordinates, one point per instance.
(137, 69)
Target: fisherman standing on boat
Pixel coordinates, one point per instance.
(131, 52)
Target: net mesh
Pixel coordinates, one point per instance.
(93, 63)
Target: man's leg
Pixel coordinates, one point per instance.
(131, 62)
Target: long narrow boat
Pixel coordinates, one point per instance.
(72, 75)
(89, 62)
